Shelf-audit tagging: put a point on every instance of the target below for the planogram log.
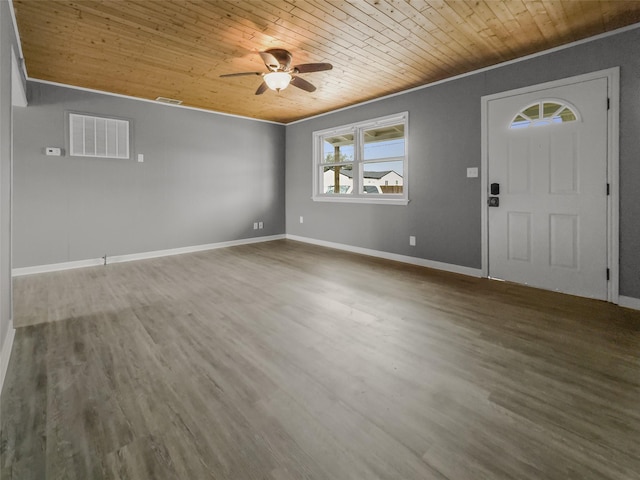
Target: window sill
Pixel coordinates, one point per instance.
(347, 199)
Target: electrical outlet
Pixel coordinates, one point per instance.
(412, 241)
(301, 219)
(260, 225)
(255, 225)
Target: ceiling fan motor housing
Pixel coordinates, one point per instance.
(283, 57)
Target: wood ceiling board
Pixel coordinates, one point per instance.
(178, 48)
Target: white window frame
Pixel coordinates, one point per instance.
(358, 130)
(107, 120)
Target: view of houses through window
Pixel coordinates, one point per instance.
(363, 160)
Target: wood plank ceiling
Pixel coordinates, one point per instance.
(178, 48)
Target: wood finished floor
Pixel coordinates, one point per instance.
(287, 361)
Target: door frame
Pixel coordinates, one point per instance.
(613, 138)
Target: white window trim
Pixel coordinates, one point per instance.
(358, 130)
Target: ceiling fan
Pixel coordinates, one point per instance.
(281, 73)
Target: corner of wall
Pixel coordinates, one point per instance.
(5, 353)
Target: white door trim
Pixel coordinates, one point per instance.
(613, 137)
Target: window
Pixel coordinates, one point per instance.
(545, 112)
(102, 137)
(363, 163)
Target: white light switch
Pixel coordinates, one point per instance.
(301, 219)
(140, 157)
(472, 172)
(412, 241)
(53, 151)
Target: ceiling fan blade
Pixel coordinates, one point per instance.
(312, 67)
(270, 61)
(262, 88)
(303, 84)
(240, 74)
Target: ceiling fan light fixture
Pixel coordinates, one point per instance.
(277, 80)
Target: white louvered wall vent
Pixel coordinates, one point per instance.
(170, 101)
(98, 136)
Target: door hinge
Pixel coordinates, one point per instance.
(608, 189)
(608, 274)
(608, 103)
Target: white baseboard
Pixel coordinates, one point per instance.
(55, 267)
(91, 262)
(447, 267)
(5, 353)
(629, 302)
(196, 248)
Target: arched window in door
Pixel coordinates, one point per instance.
(545, 112)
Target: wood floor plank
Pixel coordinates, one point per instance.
(283, 360)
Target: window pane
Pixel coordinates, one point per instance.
(567, 115)
(549, 108)
(520, 122)
(384, 142)
(338, 148)
(533, 112)
(337, 180)
(383, 177)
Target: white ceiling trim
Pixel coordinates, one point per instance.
(162, 104)
(481, 70)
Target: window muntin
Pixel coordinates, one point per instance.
(544, 112)
(91, 136)
(364, 162)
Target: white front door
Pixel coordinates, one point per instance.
(547, 153)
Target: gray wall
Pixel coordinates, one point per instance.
(205, 178)
(8, 43)
(444, 139)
